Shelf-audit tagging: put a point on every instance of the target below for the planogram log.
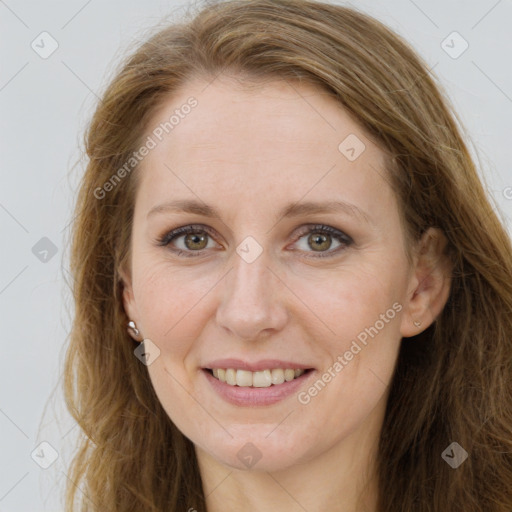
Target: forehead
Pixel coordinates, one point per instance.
(278, 141)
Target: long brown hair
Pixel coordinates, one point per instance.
(452, 382)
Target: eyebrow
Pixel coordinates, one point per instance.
(290, 210)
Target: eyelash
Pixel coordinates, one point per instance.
(344, 239)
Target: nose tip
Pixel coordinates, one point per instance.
(251, 303)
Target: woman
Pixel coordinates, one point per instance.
(225, 354)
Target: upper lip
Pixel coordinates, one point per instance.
(254, 366)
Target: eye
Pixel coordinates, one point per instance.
(195, 240)
(320, 240)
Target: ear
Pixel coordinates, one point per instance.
(128, 297)
(429, 286)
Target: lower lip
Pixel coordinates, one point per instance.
(249, 396)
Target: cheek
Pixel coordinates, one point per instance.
(362, 309)
(354, 297)
(168, 300)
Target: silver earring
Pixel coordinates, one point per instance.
(133, 331)
(417, 323)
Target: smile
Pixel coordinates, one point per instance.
(259, 379)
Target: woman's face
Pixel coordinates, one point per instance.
(272, 283)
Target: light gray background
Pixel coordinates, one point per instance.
(45, 104)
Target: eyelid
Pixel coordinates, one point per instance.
(183, 230)
(180, 231)
(311, 228)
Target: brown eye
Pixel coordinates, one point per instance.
(186, 240)
(194, 241)
(319, 242)
(320, 239)
(196, 237)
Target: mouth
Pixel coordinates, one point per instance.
(270, 377)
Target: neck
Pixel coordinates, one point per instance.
(341, 478)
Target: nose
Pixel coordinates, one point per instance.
(252, 300)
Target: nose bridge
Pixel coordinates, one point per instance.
(250, 301)
(250, 278)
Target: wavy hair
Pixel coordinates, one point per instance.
(452, 382)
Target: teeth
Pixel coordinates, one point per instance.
(231, 377)
(243, 378)
(289, 375)
(261, 379)
(277, 376)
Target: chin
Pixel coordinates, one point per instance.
(259, 451)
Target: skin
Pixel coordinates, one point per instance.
(249, 151)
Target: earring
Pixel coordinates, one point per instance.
(417, 323)
(133, 331)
